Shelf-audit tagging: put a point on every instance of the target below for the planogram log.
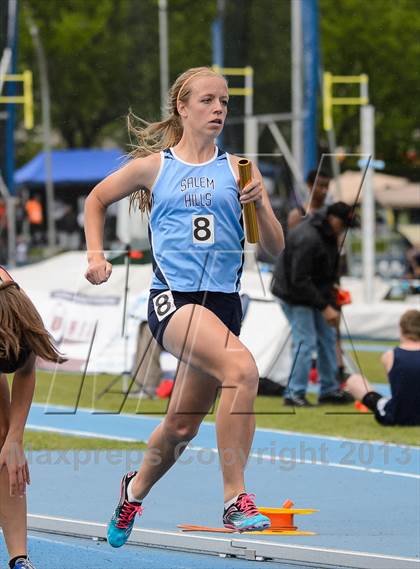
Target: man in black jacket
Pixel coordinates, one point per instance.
(305, 280)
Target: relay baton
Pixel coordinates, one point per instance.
(250, 211)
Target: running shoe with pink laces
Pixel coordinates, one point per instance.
(243, 515)
(122, 521)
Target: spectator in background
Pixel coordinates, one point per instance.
(318, 184)
(21, 217)
(147, 371)
(3, 215)
(35, 213)
(68, 228)
(402, 365)
(21, 251)
(81, 225)
(413, 261)
(305, 279)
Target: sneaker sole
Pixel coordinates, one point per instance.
(258, 527)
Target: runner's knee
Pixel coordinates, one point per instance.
(178, 430)
(243, 374)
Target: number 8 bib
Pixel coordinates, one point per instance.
(203, 229)
(164, 305)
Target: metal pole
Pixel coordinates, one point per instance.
(11, 223)
(250, 122)
(297, 124)
(217, 30)
(367, 122)
(299, 184)
(251, 138)
(164, 54)
(217, 35)
(4, 65)
(334, 162)
(251, 149)
(325, 81)
(11, 90)
(46, 126)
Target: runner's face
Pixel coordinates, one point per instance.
(206, 108)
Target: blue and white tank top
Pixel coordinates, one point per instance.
(195, 227)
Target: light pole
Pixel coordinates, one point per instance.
(46, 126)
(297, 124)
(367, 128)
(163, 53)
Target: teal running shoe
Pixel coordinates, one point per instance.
(121, 524)
(243, 515)
(23, 563)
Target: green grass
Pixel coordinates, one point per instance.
(63, 389)
(369, 363)
(331, 420)
(35, 440)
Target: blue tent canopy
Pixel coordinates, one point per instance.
(76, 166)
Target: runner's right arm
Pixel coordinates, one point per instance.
(139, 172)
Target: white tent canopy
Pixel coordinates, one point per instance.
(389, 191)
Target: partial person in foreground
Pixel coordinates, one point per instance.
(402, 365)
(22, 338)
(190, 187)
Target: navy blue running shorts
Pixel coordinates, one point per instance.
(164, 303)
(12, 364)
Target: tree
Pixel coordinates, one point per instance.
(380, 38)
(103, 59)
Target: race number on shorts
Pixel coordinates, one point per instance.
(203, 229)
(164, 304)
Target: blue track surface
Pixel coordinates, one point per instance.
(286, 447)
(368, 494)
(73, 553)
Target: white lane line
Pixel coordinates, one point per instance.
(259, 456)
(208, 424)
(317, 463)
(63, 542)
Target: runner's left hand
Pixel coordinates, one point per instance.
(12, 457)
(252, 192)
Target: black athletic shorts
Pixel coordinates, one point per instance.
(11, 365)
(163, 304)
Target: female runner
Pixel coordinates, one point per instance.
(190, 188)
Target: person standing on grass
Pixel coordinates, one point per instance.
(304, 280)
(402, 365)
(318, 182)
(22, 338)
(191, 189)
